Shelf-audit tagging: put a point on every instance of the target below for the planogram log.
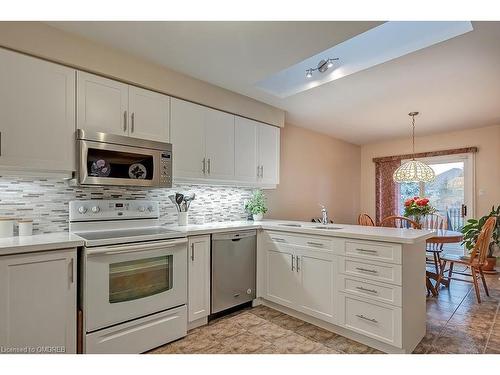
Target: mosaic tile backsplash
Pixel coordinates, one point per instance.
(45, 200)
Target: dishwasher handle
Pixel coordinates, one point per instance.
(233, 236)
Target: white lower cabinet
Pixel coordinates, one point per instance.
(198, 277)
(344, 282)
(38, 301)
(302, 279)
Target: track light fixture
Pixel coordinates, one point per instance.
(322, 67)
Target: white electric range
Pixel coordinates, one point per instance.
(133, 276)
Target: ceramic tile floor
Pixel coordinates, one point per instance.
(456, 323)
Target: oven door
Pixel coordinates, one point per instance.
(103, 163)
(125, 282)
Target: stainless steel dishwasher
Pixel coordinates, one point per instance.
(234, 259)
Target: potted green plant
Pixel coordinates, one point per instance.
(416, 208)
(471, 231)
(257, 205)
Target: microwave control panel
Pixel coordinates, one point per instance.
(166, 169)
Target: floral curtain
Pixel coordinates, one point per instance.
(386, 190)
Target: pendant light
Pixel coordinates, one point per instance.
(413, 170)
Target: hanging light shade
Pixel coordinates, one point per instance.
(413, 170)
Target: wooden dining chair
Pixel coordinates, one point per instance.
(366, 220)
(433, 249)
(475, 262)
(399, 222)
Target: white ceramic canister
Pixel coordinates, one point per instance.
(6, 226)
(183, 218)
(25, 227)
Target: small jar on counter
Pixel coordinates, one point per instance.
(25, 227)
(6, 226)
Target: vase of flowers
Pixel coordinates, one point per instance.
(257, 205)
(416, 208)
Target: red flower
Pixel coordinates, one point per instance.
(416, 198)
(422, 202)
(408, 202)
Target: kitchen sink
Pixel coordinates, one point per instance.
(325, 227)
(291, 225)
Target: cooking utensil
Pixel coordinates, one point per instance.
(172, 199)
(179, 198)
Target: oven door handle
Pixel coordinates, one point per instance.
(123, 249)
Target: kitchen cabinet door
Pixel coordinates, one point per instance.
(317, 278)
(38, 300)
(245, 149)
(187, 133)
(282, 281)
(269, 154)
(219, 144)
(37, 107)
(102, 104)
(149, 114)
(198, 278)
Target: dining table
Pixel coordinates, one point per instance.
(443, 236)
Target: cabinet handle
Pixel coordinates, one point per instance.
(192, 252)
(0, 143)
(203, 168)
(366, 290)
(262, 171)
(71, 273)
(366, 270)
(297, 262)
(315, 244)
(258, 171)
(278, 239)
(208, 165)
(293, 260)
(124, 121)
(368, 251)
(369, 319)
(132, 125)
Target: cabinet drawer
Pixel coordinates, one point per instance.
(372, 250)
(377, 291)
(385, 272)
(305, 241)
(139, 335)
(375, 320)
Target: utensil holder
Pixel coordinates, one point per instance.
(6, 227)
(183, 218)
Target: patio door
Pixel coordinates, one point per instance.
(451, 192)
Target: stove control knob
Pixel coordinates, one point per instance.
(96, 209)
(82, 210)
(141, 209)
(150, 208)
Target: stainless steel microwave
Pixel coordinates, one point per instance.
(109, 159)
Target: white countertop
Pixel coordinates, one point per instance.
(394, 235)
(64, 240)
(39, 242)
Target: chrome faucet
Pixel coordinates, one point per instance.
(324, 215)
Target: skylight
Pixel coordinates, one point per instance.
(378, 45)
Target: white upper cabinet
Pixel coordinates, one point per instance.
(113, 107)
(269, 154)
(37, 107)
(188, 139)
(149, 114)
(102, 104)
(219, 144)
(217, 147)
(245, 149)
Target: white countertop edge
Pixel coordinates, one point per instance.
(64, 240)
(393, 235)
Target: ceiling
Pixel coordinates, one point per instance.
(454, 84)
